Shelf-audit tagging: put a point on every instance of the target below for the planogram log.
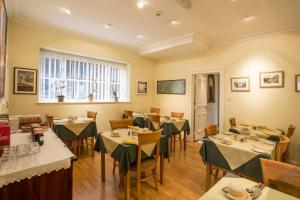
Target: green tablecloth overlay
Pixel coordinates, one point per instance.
(139, 121)
(211, 154)
(66, 135)
(127, 154)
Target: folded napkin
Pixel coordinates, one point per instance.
(129, 141)
(134, 127)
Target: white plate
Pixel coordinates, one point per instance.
(227, 133)
(114, 135)
(245, 197)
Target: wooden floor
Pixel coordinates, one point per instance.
(184, 178)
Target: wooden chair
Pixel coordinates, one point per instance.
(282, 146)
(211, 130)
(49, 119)
(281, 176)
(155, 110)
(116, 124)
(154, 122)
(232, 122)
(90, 114)
(291, 130)
(176, 135)
(145, 165)
(128, 114)
(120, 123)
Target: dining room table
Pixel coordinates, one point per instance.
(170, 125)
(260, 131)
(75, 130)
(123, 148)
(219, 192)
(236, 153)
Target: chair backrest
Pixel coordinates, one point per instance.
(281, 176)
(128, 114)
(154, 110)
(148, 138)
(177, 114)
(282, 146)
(155, 121)
(90, 114)
(291, 130)
(232, 122)
(49, 119)
(211, 129)
(120, 123)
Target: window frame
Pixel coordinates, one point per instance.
(68, 56)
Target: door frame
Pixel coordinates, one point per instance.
(221, 73)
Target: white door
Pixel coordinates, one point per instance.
(200, 105)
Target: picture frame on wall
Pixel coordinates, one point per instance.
(142, 87)
(171, 87)
(3, 44)
(297, 83)
(25, 81)
(240, 84)
(273, 79)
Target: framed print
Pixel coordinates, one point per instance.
(3, 36)
(297, 83)
(272, 79)
(171, 86)
(240, 84)
(25, 81)
(142, 87)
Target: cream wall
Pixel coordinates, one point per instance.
(273, 107)
(24, 46)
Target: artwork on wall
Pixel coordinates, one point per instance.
(240, 84)
(297, 83)
(210, 88)
(271, 79)
(171, 86)
(3, 33)
(142, 87)
(25, 81)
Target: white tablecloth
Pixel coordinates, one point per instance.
(54, 156)
(239, 153)
(215, 193)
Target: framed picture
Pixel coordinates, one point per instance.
(210, 88)
(240, 84)
(3, 36)
(171, 86)
(297, 83)
(272, 79)
(142, 87)
(25, 81)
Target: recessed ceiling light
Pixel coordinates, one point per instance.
(249, 18)
(174, 22)
(108, 26)
(67, 11)
(140, 36)
(141, 4)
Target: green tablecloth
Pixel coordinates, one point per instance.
(127, 154)
(169, 128)
(66, 135)
(211, 154)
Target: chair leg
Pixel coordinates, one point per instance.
(154, 171)
(138, 185)
(180, 140)
(217, 173)
(121, 181)
(114, 167)
(174, 140)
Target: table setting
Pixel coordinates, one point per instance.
(238, 153)
(237, 188)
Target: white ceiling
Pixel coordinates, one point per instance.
(218, 20)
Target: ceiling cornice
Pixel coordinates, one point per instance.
(175, 42)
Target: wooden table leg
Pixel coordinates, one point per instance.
(184, 140)
(208, 172)
(92, 146)
(102, 166)
(161, 168)
(127, 186)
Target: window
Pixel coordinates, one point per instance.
(76, 77)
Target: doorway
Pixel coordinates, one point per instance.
(206, 102)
